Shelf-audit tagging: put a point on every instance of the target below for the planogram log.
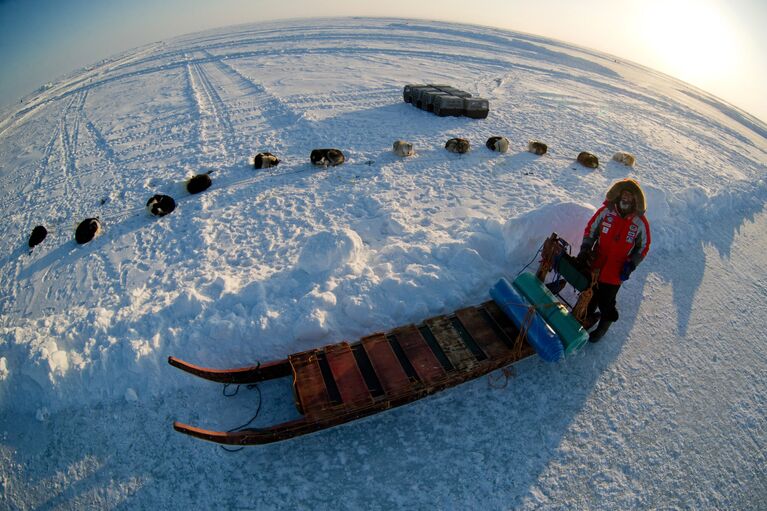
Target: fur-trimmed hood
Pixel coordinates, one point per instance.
(614, 193)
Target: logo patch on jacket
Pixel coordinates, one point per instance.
(607, 223)
(633, 231)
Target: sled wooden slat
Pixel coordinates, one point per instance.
(309, 384)
(419, 354)
(503, 322)
(347, 375)
(507, 326)
(385, 364)
(451, 343)
(475, 323)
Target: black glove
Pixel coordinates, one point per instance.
(628, 267)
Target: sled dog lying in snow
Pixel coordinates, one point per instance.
(624, 158)
(402, 148)
(87, 230)
(499, 144)
(38, 235)
(458, 145)
(327, 157)
(160, 205)
(588, 160)
(198, 183)
(265, 161)
(536, 147)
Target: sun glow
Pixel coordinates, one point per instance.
(692, 40)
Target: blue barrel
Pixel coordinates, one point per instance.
(539, 334)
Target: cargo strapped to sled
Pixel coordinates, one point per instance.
(565, 264)
(555, 257)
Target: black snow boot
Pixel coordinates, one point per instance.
(601, 330)
(591, 320)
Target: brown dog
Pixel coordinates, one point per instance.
(536, 147)
(265, 161)
(327, 157)
(588, 160)
(458, 145)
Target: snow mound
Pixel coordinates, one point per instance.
(658, 209)
(523, 234)
(331, 250)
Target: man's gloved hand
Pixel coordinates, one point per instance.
(628, 267)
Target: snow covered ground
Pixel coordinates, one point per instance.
(668, 411)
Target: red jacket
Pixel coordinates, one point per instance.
(620, 239)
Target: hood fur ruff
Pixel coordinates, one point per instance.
(614, 193)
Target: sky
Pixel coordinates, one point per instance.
(716, 45)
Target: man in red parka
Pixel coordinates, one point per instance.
(617, 238)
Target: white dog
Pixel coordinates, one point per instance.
(499, 144)
(624, 158)
(402, 148)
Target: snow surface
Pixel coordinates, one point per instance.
(668, 411)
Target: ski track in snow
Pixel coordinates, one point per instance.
(667, 412)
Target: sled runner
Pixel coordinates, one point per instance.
(342, 382)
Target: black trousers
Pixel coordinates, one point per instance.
(604, 300)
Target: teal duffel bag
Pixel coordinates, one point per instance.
(568, 329)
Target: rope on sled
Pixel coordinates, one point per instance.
(249, 386)
(522, 335)
(581, 309)
(531, 261)
(516, 350)
(548, 253)
(506, 373)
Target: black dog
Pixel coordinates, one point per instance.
(327, 157)
(199, 183)
(38, 235)
(87, 230)
(160, 205)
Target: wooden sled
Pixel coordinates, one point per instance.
(343, 382)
